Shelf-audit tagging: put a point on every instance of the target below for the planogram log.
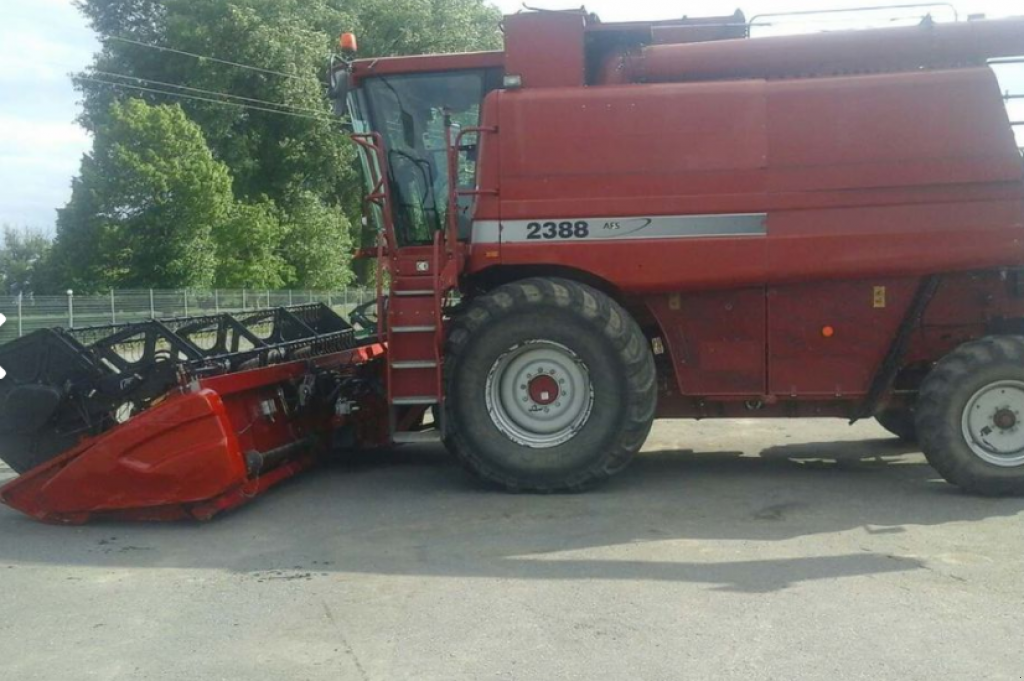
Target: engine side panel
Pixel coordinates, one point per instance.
(870, 176)
(828, 339)
(715, 340)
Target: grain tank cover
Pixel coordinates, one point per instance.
(929, 45)
(546, 49)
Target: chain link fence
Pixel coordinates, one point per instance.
(26, 313)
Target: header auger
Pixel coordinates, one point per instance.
(601, 224)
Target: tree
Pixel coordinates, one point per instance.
(22, 259)
(248, 249)
(318, 244)
(397, 27)
(146, 205)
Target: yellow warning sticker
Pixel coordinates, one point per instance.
(879, 296)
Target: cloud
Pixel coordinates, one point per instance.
(37, 161)
(44, 136)
(31, 57)
(41, 42)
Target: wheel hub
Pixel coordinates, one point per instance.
(539, 394)
(991, 423)
(543, 389)
(1005, 419)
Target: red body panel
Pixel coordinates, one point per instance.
(885, 175)
(715, 340)
(543, 49)
(807, 360)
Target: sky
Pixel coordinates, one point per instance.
(43, 41)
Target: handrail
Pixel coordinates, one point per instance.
(453, 181)
(379, 194)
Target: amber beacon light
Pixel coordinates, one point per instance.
(347, 43)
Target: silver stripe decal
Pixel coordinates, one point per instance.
(604, 229)
(486, 232)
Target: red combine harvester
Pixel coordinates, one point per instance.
(603, 224)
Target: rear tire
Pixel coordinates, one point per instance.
(551, 386)
(970, 416)
(900, 421)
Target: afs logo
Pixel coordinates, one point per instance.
(629, 226)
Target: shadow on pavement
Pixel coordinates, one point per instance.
(413, 512)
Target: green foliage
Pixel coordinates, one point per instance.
(145, 207)
(22, 259)
(397, 27)
(283, 167)
(248, 249)
(269, 153)
(319, 244)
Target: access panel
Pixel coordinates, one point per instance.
(715, 340)
(829, 338)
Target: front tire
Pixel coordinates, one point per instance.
(550, 386)
(970, 416)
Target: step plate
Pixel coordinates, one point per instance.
(416, 437)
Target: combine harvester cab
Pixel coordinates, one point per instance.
(179, 418)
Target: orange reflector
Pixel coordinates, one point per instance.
(828, 331)
(491, 254)
(347, 42)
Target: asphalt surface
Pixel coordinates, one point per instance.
(730, 550)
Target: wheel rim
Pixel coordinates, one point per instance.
(539, 394)
(992, 423)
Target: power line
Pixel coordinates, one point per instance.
(209, 92)
(203, 56)
(205, 99)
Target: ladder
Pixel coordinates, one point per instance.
(415, 333)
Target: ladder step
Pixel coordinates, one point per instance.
(418, 364)
(413, 329)
(411, 401)
(418, 292)
(416, 437)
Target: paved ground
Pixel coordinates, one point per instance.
(730, 550)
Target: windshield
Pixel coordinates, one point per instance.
(409, 112)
